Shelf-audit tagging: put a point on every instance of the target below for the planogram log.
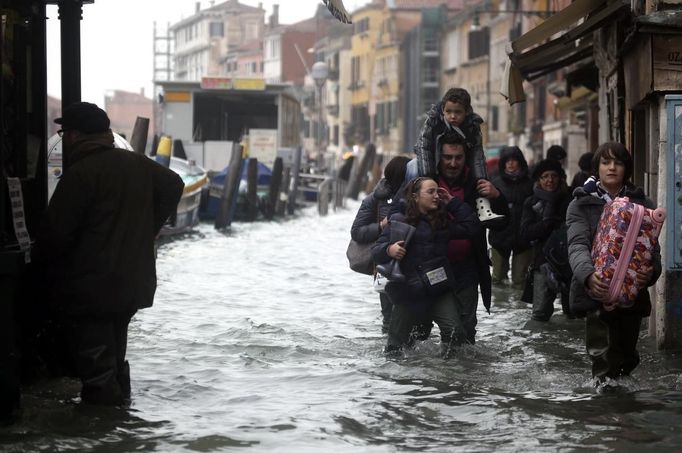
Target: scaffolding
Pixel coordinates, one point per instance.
(164, 48)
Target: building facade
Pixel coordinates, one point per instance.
(203, 40)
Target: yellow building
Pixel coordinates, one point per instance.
(367, 22)
(378, 68)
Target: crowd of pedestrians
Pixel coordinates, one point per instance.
(527, 223)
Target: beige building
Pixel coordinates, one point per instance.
(203, 40)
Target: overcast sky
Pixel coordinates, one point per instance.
(117, 39)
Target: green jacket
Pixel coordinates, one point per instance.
(582, 219)
(97, 239)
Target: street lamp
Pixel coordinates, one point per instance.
(319, 73)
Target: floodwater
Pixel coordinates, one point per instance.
(262, 339)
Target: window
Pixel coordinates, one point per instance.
(430, 41)
(495, 120)
(354, 71)
(216, 29)
(479, 43)
(430, 70)
(362, 26)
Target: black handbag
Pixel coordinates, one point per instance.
(434, 277)
(360, 257)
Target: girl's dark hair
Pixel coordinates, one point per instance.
(438, 218)
(613, 150)
(458, 96)
(394, 172)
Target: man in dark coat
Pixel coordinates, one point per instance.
(469, 257)
(97, 242)
(514, 182)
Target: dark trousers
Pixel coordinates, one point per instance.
(98, 347)
(454, 312)
(543, 298)
(611, 340)
(386, 309)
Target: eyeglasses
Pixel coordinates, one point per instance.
(549, 176)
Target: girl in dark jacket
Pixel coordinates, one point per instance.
(515, 184)
(437, 217)
(544, 212)
(372, 217)
(610, 337)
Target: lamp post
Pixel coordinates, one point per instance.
(319, 73)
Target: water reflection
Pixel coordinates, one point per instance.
(262, 338)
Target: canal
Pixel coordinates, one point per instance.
(262, 339)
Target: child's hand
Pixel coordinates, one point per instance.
(444, 195)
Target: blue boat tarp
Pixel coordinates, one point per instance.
(264, 174)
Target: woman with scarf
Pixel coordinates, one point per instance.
(515, 184)
(372, 217)
(436, 217)
(544, 212)
(610, 337)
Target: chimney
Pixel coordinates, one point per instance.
(274, 19)
(198, 7)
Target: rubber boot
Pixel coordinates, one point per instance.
(486, 214)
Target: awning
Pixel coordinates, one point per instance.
(529, 59)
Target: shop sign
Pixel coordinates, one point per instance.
(667, 52)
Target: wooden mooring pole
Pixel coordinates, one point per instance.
(275, 185)
(230, 189)
(359, 176)
(252, 189)
(296, 169)
(138, 139)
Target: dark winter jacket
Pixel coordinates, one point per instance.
(428, 147)
(515, 190)
(97, 239)
(540, 218)
(373, 209)
(579, 179)
(480, 243)
(582, 219)
(427, 243)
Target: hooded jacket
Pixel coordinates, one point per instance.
(373, 209)
(428, 147)
(515, 190)
(97, 238)
(540, 218)
(582, 220)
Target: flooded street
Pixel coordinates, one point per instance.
(264, 339)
